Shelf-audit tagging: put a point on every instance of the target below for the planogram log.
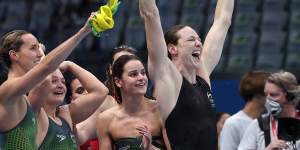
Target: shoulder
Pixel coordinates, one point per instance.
(108, 114)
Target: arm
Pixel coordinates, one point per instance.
(15, 87)
(103, 133)
(166, 139)
(214, 41)
(97, 92)
(167, 79)
(87, 129)
(38, 95)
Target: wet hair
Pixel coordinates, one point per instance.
(171, 36)
(69, 79)
(10, 41)
(118, 70)
(252, 84)
(110, 82)
(288, 83)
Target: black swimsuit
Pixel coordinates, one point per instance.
(192, 124)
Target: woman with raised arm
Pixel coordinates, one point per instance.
(56, 120)
(21, 56)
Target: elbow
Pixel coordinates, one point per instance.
(103, 92)
(151, 14)
(224, 22)
(46, 68)
(227, 22)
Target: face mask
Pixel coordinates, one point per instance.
(273, 107)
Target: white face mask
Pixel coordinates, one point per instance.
(273, 107)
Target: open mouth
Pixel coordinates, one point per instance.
(59, 93)
(196, 55)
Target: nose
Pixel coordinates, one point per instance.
(60, 85)
(141, 76)
(198, 43)
(40, 54)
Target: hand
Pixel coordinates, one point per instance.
(86, 25)
(64, 66)
(277, 144)
(147, 137)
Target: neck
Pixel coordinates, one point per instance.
(188, 73)
(253, 110)
(132, 103)
(288, 110)
(16, 71)
(50, 110)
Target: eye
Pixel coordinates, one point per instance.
(143, 72)
(54, 81)
(133, 74)
(79, 90)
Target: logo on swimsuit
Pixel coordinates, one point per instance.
(61, 137)
(33, 121)
(211, 100)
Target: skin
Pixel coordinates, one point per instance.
(87, 129)
(136, 115)
(28, 69)
(72, 113)
(166, 73)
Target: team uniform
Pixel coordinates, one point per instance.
(59, 137)
(192, 123)
(23, 135)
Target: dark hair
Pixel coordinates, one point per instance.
(253, 84)
(288, 82)
(110, 82)
(69, 79)
(171, 36)
(117, 71)
(10, 41)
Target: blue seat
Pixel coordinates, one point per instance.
(15, 16)
(135, 32)
(247, 5)
(164, 5)
(269, 61)
(246, 20)
(239, 62)
(195, 21)
(274, 5)
(41, 17)
(293, 60)
(271, 41)
(243, 42)
(274, 20)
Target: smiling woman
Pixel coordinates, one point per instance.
(22, 58)
(136, 122)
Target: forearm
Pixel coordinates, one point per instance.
(157, 50)
(87, 79)
(223, 13)
(214, 41)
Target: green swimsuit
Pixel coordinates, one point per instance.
(21, 137)
(136, 143)
(59, 137)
